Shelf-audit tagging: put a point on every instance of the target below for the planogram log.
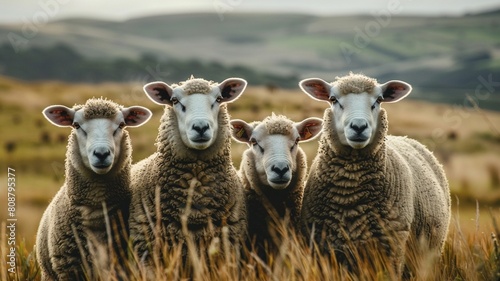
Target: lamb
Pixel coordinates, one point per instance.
(367, 187)
(190, 181)
(273, 170)
(92, 206)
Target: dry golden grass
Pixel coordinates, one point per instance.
(473, 255)
(466, 141)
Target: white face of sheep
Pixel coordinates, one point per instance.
(356, 115)
(197, 113)
(99, 139)
(275, 154)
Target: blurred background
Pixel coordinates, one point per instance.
(66, 51)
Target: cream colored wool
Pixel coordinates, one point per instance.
(267, 205)
(389, 193)
(355, 84)
(217, 200)
(195, 85)
(99, 108)
(72, 231)
(278, 124)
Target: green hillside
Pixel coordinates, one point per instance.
(443, 57)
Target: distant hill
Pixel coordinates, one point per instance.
(62, 62)
(443, 57)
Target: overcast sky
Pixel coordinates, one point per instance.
(18, 11)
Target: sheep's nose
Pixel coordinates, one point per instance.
(102, 153)
(280, 171)
(358, 125)
(201, 129)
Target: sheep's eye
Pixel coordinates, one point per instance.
(120, 127)
(378, 101)
(333, 99)
(78, 127)
(295, 143)
(255, 143)
(217, 100)
(175, 101)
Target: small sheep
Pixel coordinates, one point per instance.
(273, 171)
(368, 187)
(90, 208)
(190, 180)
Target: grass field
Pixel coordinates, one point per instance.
(466, 140)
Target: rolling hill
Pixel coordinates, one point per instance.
(445, 58)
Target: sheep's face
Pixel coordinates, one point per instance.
(355, 114)
(196, 107)
(356, 118)
(197, 117)
(275, 149)
(98, 139)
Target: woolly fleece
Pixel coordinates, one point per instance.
(217, 199)
(73, 225)
(195, 85)
(99, 108)
(355, 84)
(389, 193)
(277, 125)
(265, 204)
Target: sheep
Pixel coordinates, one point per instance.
(273, 170)
(367, 187)
(190, 181)
(92, 206)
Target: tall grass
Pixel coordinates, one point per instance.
(467, 255)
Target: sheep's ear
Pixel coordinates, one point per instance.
(317, 88)
(232, 88)
(136, 116)
(241, 131)
(309, 128)
(395, 90)
(159, 92)
(59, 115)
